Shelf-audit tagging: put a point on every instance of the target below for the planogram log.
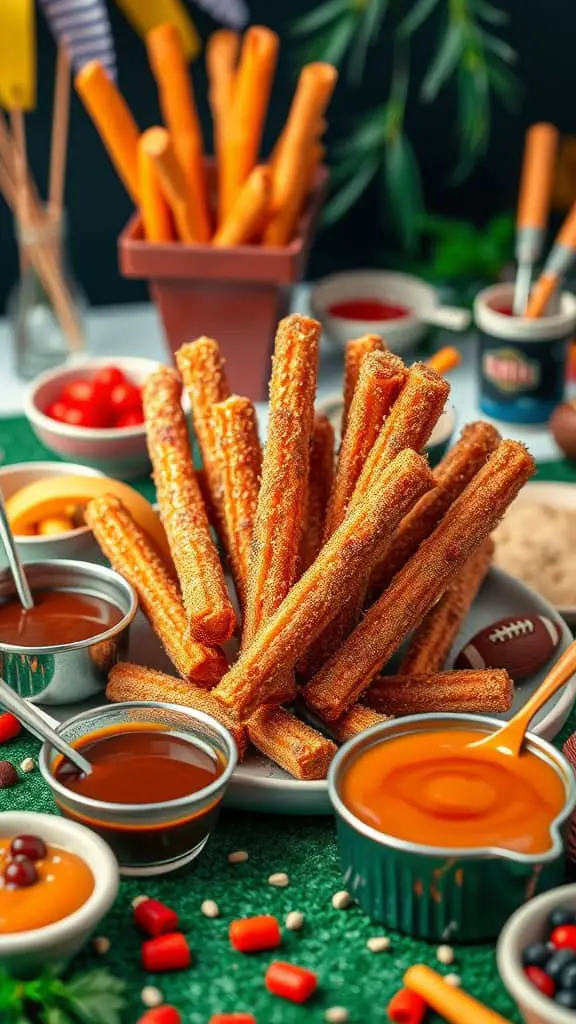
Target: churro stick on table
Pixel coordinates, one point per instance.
(248, 211)
(355, 352)
(236, 437)
(201, 367)
(222, 51)
(380, 379)
(170, 69)
(211, 617)
(356, 720)
(452, 475)
(294, 745)
(310, 604)
(252, 86)
(319, 486)
(114, 122)
(134, 682)
(131, 554)
(451, 1003)
(157, 145)
(467, 690)
(431, 643)
(416, 588)
(154, 210)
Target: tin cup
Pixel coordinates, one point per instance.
(521, 363)
(435, 893)
(67, 673)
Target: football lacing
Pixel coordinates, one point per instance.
(520, 627)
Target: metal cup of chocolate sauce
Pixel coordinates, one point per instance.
(62, 651)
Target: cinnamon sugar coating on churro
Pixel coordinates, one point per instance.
(419, 584)
(452, 475)
(320, 478)
(354, 721)
(312, 601)
(211, 617)
(134, 682)
(479, 691)
(431, 643)
(356, 349)
(380, 379)
(240, 463)
(131, 554)
(294, 745)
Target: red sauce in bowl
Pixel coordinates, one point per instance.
(367, 309)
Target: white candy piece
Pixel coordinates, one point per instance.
(28, 765)
(341, 900)
(294, 921)
(453, 979)
(237, 857)
(151, 996)
(445, 954)
(378, 944)
(336, 1015)
(209, 908)
(279, 879)
(138, 900)
(101, 945)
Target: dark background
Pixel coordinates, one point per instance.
(543, 34)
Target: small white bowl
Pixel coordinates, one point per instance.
(55, 944)
(78, 545)
(402, 333)
(528, 925)
(121, 453)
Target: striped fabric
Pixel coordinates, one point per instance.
(230, 12)
(83, 27)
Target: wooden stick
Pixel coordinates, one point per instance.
(59, 140)
(20, 163)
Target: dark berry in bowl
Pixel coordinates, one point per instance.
(20, 873)
(31, 847)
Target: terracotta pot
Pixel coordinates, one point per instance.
(236, 295)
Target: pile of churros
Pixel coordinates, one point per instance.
(337, 563)
(164, 168)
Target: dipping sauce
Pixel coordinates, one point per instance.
(144, 765)
(367, 309)
(58, 617)
(63, 884)
(428, 788)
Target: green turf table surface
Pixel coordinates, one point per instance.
(332, 942)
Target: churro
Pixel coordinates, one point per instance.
(309, 606)
(421, 582)
(131, 554)
(319, 486)
(356, 720)
(355, 352)
(467, 690)
(294, 745)
(201, 367)
(452, 475)
(134, 682)
(211, 617)
(240, 459)
(431, 643)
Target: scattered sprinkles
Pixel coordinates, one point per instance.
(337, 1015)
(453, 979)
(209, 908)
(378, 944)
(28, 765)
(237, 857)
(279, 879)
(101, 945)
(294, 920)
(445, 954)
(341, 900)
(138, 900)
(151, 996)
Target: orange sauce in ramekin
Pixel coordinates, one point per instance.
(64, 884)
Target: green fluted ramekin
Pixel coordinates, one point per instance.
(457, 895)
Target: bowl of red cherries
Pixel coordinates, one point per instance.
(537, 957)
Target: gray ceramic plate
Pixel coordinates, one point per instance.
(259, 785)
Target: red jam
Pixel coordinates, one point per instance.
(367, 309)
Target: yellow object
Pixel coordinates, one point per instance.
(17, 55)
(144, 15)
(49, 498)
(453, 1004)
(53, 525)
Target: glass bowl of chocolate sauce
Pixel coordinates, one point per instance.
(160, 772)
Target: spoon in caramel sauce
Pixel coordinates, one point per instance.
(29, 716)
(16, 568)
(508, 740)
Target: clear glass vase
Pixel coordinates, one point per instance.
(46, 308)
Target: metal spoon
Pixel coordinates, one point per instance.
(29, 716)
(7, 537)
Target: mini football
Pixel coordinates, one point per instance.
(521, 645)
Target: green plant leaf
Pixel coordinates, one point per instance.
(350, 193)
(421, 10)
(96, 997)
(55, 1015)
(404, 188)
(493, 15)
(367, 136)
(321, 15)
(338, 40)
(444, 62)
(505, 84)
(473, 119)
(366, 35)
(502, 49)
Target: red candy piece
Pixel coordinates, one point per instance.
(125, 398)
(78, 392)
(543, 982)
(407, 1007)
(166, 953)
(232, 1018)
(155, 918)
(564, 937)
(290, 982)
(31, 847)
(9, 727)
(161, 1015)
(20, 873)
(108, 377)
(252, 934)
(130, 419)
(57, 411)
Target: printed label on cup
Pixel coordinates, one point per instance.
(510, 370)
